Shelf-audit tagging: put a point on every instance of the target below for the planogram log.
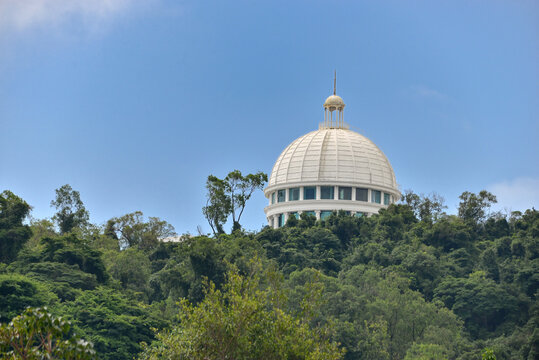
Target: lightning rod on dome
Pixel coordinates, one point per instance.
(335, 83)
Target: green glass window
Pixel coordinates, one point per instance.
(310, 213)
(273, 197)
(293, 194)
(309, 193)
(386, 199)
(345, 193)
(281, 220)
(327, 192)
(362, 194)
(281, 196)
(325, 214)
(359, 214)
(376, 196)
(296, 214)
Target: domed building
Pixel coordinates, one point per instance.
(330, 169)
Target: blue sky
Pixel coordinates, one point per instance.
(135, 103)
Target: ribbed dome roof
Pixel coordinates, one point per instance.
(333, 155)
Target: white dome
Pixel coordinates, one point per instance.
(333, 155)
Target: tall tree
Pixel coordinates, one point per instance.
(229, 196)
(71, 213)
(13, 233)
(218, 206)
(427, 208)
(132, 230)
(474, 207)
(240, 189)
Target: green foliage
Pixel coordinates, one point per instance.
(37, 334)
(18, 292)
(13, 233)
(131, 268)
(449, 233)
(41, 228)
(378, 316)
(71, 250)
(218, 205)
(244, 321)
(426, 352)
(479, 301)
(426, 208)
(473, 207)
(66, 280)
(114, 323)
(201, 257)
(488, 354)
(71, 213)
(296, 248)
(410, 282)
(229, 196)
(67, 264)
(132, 231)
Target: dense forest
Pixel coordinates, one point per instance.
(411, 282)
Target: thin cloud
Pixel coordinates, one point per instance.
(24, 15)
(425, 92)
(517, 194)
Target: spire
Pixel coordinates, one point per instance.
(334, 103)
(335, 83)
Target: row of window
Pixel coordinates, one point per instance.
(328, 193)
(323, 216)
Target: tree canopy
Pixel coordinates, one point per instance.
(242, 321)
(71, 213)
(229, 196)
(410, 282)
(13, 233)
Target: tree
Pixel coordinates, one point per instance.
(488, 354)
(479, 301)
(242, 322)
(131, 230)
(218, 205)
(18, 292)
(426, 352)
(36, 334)
(71, 213)
(13, 233)
(229, 196)
(71, 250)
(427, 208)
(474, 207)
(114, 323)
(132, 268)
(240, 189)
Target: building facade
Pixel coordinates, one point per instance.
(330, 169)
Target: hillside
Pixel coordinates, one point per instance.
(409, 283)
